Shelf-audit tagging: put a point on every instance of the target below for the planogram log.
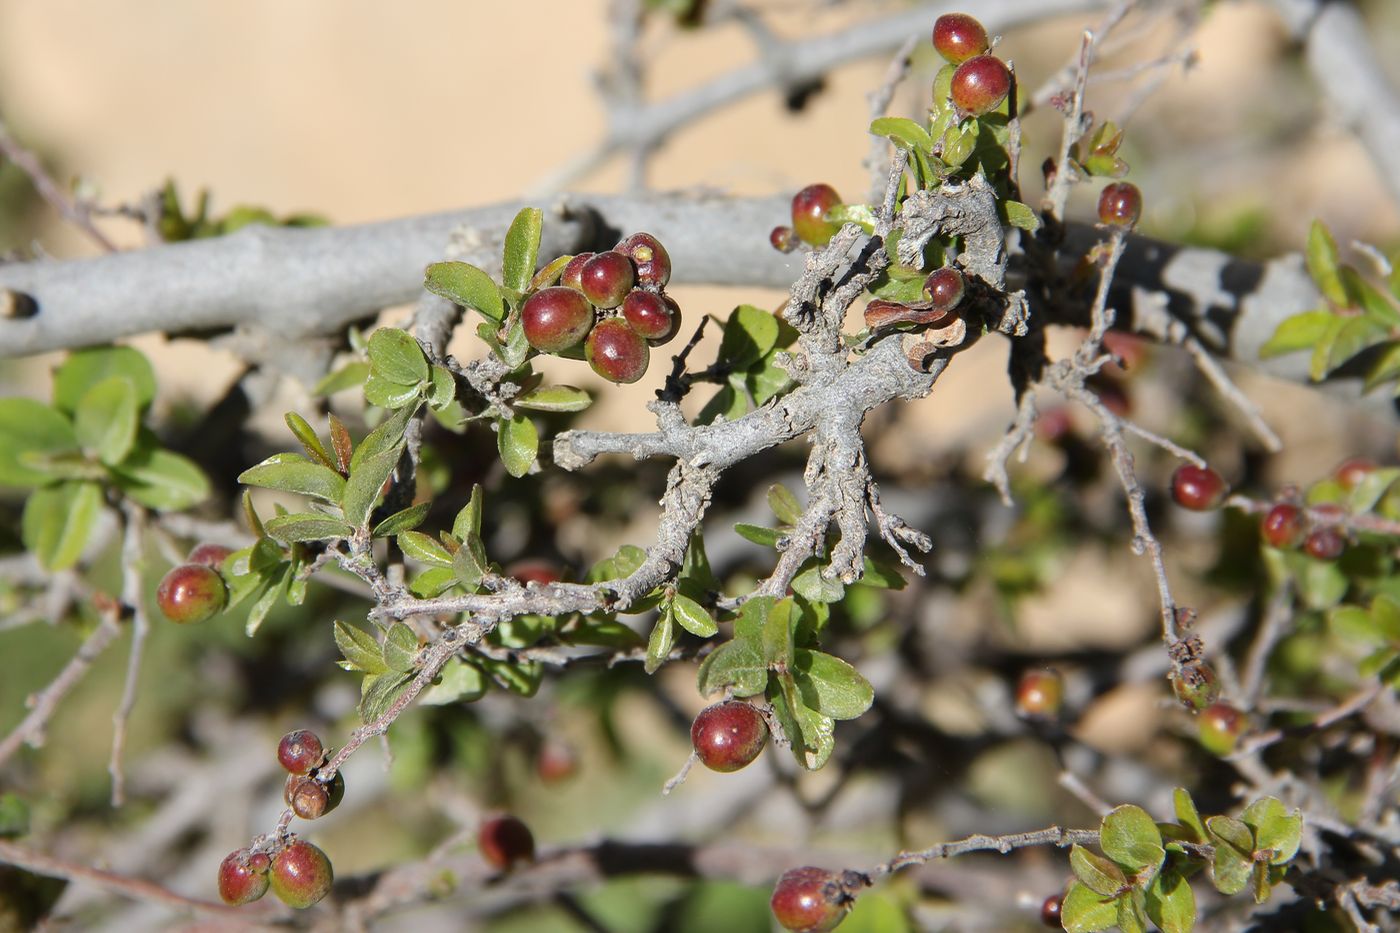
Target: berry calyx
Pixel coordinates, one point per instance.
(505, 841)
(210, 555)
(649, 258)
(1325, 544)
(1195, 686)
(572, 274)
(1120, 205)
(782, 239)
(1040, 694)
(1050, 911)
(944, 288)
(809, 900)
(980, 85)
(556, 318)
(1353, 471)
(728, 735)
(191, 593)
(809, 208)
(607, 278)
(300, 752)
(958, 37)
(649, 314)
(1220, 728)
(243, 877)
(616, 351)
(301, 875)
(1197, 488)
(1282, 526)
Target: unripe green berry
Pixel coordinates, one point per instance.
(1120, 205)
(555, 319)
(809, 900)
(505, 841)
(243, 877)
(958, 37)
(191, 593)
(1220, 727)
(728, 736)
(616, 351)
(607, 278)
(301, 874)
(809, 209)
(980, 85)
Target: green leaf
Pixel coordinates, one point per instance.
(812, 734)
(424, 548)
(387, 436)
(778, 630)
(603, 632)
(1345, 341)
(363, 487)
(350, 376)
(1371, 488)
(467, 286)
(522, 249)
(293, 473)
(1187, 814)
(554, 398)
(432, 582)
(1170, 902)
(360, 650)
(663, 637)
(405, 520)
(27, 426)
(106, 419)
(1232, 833)
(277, 584)
(468, 521)
(1019, 215)
(1274, 828)
(1084, 911)
(1130, 837)
(161, 479)
(306, 526)
(1385, 369)
(1374, 303)
(400, 648)
(381, 691)
(1323, 263)
(1385, 616)
(521, 678)
(310, 441)
(1098, 873)
(767, 537)
(860, 214)
(736, 664)
(814, 587)
(459, 682)
(749, 334)
(14, 816)
(394, 355)
(444, 391)
(58, 521)
(470, 563)
(515, 348)
(391, 395)
(84, 369)
(831, 686)
(1132, 915)
(881, 575)
(518, 442)
(693, 617)
(1298, 332)
(903, 132)
(1230, 870)
(784, 504)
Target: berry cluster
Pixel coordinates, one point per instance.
(1319, 529)
(195, 590)
(982, 81)
(613, 302)
(309, 794)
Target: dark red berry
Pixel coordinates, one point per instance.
(1282, 526)
(649, 258)
(210, 555)
(301, 874)
(649, 314)
(1196, 488)
(1120, 205)
(191, 593)
(616, 351)
(505, 841)
(1195, 686)
(243, 877)
(1353, 471)
(782, 239)
(1220, 728)
(944, 288)
(809, 900)
(980, 84)
(809, 208)
(300, 752)
(958, 37)
(1050, 911)
(572, 275)
(556, 318)
(1039, 694)
(308, 798)
(728, 736)
(607, 278)
(1325, 543)
(535, 571)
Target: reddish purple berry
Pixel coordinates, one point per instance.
(649, 314)
(944, 288)
(1282, 526)
(607, 278)
(728, 736)
(1199, 489)
(980, 84)
(243, 877)
(505, 841)
(1325, 543)
(301, 874)
(1120, 205)
(809, 209)
(556, 318)
(782, 239)
(1050, 911)
(191, 593)
(300, 752)
(616, 351)
(958, 37)
(210, 555)
(649, 258)
(809, 900)
(572, 275)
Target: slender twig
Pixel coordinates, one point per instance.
(1277, 614)
(1051, 836)
(74, 212)
(1057, 196)
(134, 517)
(879, 102)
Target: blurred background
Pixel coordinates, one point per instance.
(359, 111)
